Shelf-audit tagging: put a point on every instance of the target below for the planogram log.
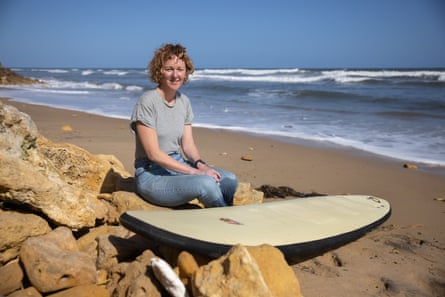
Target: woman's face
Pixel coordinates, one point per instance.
(173, 74)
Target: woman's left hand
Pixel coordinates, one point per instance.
(212, 173)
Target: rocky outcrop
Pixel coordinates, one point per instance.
(9, 77)
(60, 234)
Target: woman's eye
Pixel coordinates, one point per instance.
(170, 70)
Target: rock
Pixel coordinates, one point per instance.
(87, 243)
(67, 128)
(234, 274)
(113, 248)
(252, 271)
(11, 276)
(28, 292)
(62, 181)
(9, 77)
(18, 133)
(15, 228)
(63, 238)
(102, 277)
(135, 279)
(63, 203)
(121, 201)
(246, 195)
(278, 275)
(187, 266)
(409, 166)
(122, 242)
(76, 166)
(246, 158)
(83, 291)
(53, 262)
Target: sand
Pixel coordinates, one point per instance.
(404, 257)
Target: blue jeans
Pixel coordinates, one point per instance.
(168, 188)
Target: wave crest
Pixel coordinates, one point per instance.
(297, 75)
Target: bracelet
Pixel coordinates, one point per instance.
(199, 161)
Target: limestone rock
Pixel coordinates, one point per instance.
(63, 238)
(28, 292)
(11, 276)
(88, 243)
(120, 246)
(278, 275)
(234, 274)
(252, 271)
(53, 262)
(187, 266)
(135, 279)
(61, 181)
(120, 201)
(15, 228)
(62, 203)
(109, 245)
(246, 195)
(102, 277)
(246, 158)
(83, 291)
(18, 133)
(409, 166)
(78, 167)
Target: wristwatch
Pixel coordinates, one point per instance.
(199, 161)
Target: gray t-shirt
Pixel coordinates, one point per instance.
(168, 121)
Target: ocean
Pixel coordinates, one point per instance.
(397, 113)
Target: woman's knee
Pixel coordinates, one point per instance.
(228, 176)
(208, 185)
(211, 195)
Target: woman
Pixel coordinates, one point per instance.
(169, 170)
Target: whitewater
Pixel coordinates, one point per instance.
(397, 113)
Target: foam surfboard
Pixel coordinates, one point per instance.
(300, 228)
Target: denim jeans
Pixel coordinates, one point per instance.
(168, 188)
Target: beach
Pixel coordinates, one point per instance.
(367, 266)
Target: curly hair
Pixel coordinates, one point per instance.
(164, 53)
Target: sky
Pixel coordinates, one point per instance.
(224, 34)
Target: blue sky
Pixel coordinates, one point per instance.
(229, 33)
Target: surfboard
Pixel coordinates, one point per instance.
(300, 228)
